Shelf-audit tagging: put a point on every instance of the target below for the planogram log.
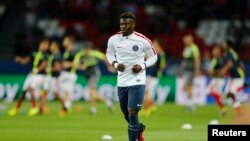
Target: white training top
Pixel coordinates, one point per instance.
(131, 50)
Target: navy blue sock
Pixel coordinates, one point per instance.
(133, 127)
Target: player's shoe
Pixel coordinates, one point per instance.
(153, 108)
(93, 110)
(111, 109)
(223, 112)
(62, 113)
(237, 108)
(33, 111)
(145, 112)
(13, 112)
(44, 110)
(141, 135)
(110, 106)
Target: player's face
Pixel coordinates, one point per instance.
(44, 45)
(127, 25)
(86, 50)
(216, 52)
(66, 42)
(187, 40)
(54, 47)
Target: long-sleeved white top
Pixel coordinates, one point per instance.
(131, 50)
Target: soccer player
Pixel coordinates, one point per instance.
(153, 74)
(87, 60)
(126, 51)
(234, 68)
(218, 81)
(68, 75)
(35, 78)
(190, 67)
(52, 83)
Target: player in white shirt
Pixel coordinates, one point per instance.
(126, 52)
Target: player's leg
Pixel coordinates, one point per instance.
(123, 100)
(67, 82)
(56, 90)
(234, 89)
(27, 82)
(190, 101)
(92, 84)
(37, 83)
(148, 105)
(151, 94)
(64, 110)
(94, 96)
(34, 109)
(215, 91)
(188, 86)
(135, 102)
(47, 85)
(14, 111)
(43, 101)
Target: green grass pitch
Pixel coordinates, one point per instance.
(164, 125)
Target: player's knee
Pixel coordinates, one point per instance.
(30, 89)
(133, 112)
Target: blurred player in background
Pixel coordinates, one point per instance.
(52, 83)
(126, 52)
(190, 68)
(87, 60)
(153, 74)
(234, 68)
(218, 81)
(34, 79)
(68, 76)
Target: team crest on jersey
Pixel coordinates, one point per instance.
(135, 48)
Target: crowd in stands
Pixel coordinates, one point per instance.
(210, 21)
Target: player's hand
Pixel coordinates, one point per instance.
(136, 68)
(111, 69)
(17, 58)
(120, 67)
(81, 67)
(67, 64)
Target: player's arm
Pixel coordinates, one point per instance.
(213, 70)
(163, 61)
(76, 62)
(57, 67)
(67, 64)
(163, 64)
(225, 69)
(227, 65)
(151, 59)
(180, 70)
(22, 60)
(101, 56)
(42, 66)
(197, 60)
(242, 66)
(110, 55)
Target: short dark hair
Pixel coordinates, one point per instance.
(230, 43)
(44, 39)
(70, 36)
(127, 15)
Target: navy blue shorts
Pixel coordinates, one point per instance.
(131, 97)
